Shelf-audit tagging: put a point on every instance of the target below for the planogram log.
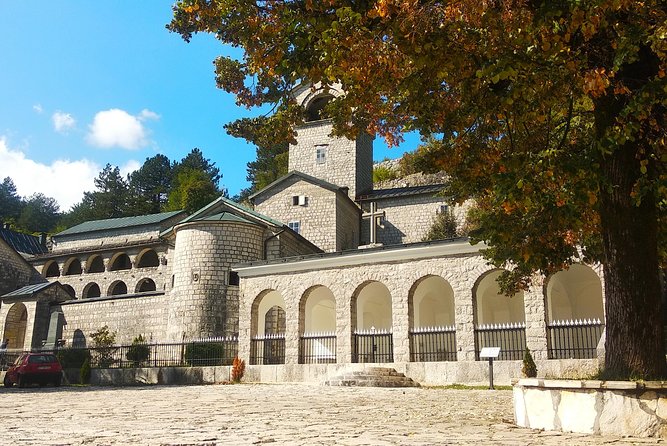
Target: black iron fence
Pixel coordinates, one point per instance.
(267, 349)
(372, 346)
(317, 348)
(200, 352)
(576, 339)
(511, 338)
(429, 344)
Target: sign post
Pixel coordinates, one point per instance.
(490, 353)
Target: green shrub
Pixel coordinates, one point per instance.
(104, 343)
(84, 373)
(529, 369)
(138, 351)
(382, 173)
(205, 353)
(73, 358)
(444, 227)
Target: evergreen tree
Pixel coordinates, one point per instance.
(195, 161)
(39, 214)
(150, 185)
(192, 190)
(10, 202)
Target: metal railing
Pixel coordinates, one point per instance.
(267, 349)
(511, 338)
(372, 346)
(428, 344)
(199, 352)
(317, 348)
(576, 339)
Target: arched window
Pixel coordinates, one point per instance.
(95, 264)
(91, 290)
(145, 285)
(51, 269)
(79, 339)
(315, 110)
(117, 288)
(148, 259)
(575, 293)
(372, 323)
(317, 326)
(72, 267)
(268, 324)
(70, 291)
(120, 262)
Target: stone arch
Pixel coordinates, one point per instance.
(95, 264)
(491, 306)
(117, 288)
(317, 310)
(51, 269)
(431, 303)
(78, 339)
(15, 326)
(120, 261)
(70, 291)
(91, 290)
(315, 107)
(72, 267)
(144, 285)
(575, 293)
(148, 258)
(265, 302)
(371, 307)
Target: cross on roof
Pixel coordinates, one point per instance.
(375, 218)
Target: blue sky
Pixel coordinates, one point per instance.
(84, 83)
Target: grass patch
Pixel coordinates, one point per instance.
(456, 386)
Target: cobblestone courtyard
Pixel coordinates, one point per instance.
(261, 414)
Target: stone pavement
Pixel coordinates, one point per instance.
(246, 414)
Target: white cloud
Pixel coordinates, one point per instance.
(129, 167)
(38, 108)
(118, 128)
(63, 180)
(62, 122)
(147, 114)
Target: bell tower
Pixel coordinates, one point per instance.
(339, 161)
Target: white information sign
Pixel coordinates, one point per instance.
(489, 352)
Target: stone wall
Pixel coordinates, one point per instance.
(201, 303)
(317, 219)
(15, 272)
(128, 317)
(347, 224)
(348, 163)
(408, 219)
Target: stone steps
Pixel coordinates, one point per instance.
(372, 377)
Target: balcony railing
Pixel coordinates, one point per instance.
(267, 349)
(372, 346)
(429, 344)
(511, 338)
(576, 339)
(317, 348)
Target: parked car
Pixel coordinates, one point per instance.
(30, 368)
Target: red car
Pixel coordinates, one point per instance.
(29, 368)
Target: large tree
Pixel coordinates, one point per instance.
(10, 201)
(39, 214)
(150, 185)
(553, 111)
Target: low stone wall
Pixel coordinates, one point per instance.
(425, 373)
(619, 408)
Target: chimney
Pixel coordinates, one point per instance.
(42, 238)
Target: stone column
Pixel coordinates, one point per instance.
(536, 327)
(400, 320)
(291, 329)
(464, 321)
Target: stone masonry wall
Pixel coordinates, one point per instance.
(98, 239)
(408, 219)
(347, 224)
(14, 271)
(201, 303)
(462, 272)
(317, 219)
(128, 317)
(344, 157)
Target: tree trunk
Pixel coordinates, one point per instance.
(634, 332)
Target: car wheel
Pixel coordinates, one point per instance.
(56, 381)
(22, 381)
(8, 382)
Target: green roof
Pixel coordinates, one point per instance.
(223, 216)
(222, 201)
(117, 223)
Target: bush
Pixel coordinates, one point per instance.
(138, 351)
(73, 358)
(84, 373)
(382, 173)
(205, 353)
(444, 227)
(104, 343)
(238, 369)
(529, 369)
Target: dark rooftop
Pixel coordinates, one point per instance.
(116, 223)
(22, 243)
(379, 194)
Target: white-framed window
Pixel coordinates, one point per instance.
(445, 209)
(321, 153)
(294, 226)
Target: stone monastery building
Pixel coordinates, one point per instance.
(325, 273)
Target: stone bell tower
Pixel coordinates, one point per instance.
(339, 161)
